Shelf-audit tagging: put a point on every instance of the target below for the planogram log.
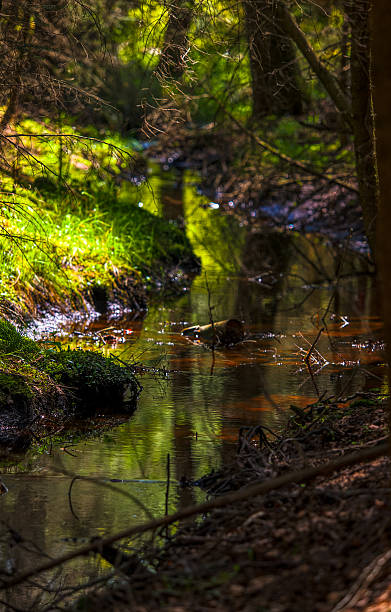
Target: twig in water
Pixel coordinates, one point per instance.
(70, 498)
(103, 483)
(312, 376)
(168, 484)
(309, 353)
(338, 277)
(210, 308)
(319, 358)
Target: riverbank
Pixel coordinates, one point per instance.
(280, 186)
(323, 546)
(75, 239)
(45, 390)
(75, 235)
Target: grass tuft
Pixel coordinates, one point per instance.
(37, 381)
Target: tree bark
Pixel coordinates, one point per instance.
(329, 82)
(172, 61)
(362, 114)
(275, 75)
(381, 50)
(358, 113)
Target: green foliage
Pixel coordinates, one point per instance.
(304, 143)
(98, 383)
(13, 344)
(21, 378)
(14, 386)
(64, 232)
(86, 367)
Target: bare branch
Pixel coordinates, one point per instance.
(300, 476)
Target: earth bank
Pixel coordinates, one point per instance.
(43, 389)
(323, 546)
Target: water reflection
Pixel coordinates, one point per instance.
(280, 286)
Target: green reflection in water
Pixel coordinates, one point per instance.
(195, 412)
(217, 239)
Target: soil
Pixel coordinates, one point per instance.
(72, 387)
(320, 547)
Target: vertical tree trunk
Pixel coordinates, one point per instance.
(176, 43)
(362, 114)
(14, 27)
(274, 71)
(381, 48)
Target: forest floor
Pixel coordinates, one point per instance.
(258, 187)
(320, 547)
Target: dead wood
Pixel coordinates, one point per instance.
(300, 476)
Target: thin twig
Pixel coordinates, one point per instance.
(311, 350)
(368, 575)
(168, 485)
(293, 162)
(210, 308)
(70, 498)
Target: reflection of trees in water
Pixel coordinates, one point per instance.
(172, 198)
(216, 238)
(289, 258)
(292, 273)
(191, 400)
(36, 519)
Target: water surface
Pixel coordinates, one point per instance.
(191, 408)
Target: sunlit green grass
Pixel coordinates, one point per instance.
(65, 227)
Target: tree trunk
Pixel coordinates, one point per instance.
(362, 114)
(176, 43)
(381, 49)
(359, 113)
(290, 28)
(275, 76)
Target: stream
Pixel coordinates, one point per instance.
(193, 401)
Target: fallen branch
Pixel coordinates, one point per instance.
(367, 576)
(300, 476)
(311, 350)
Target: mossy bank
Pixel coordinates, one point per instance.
(42, 390)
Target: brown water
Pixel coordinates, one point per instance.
(278, 285)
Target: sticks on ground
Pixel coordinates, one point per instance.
(300, 476)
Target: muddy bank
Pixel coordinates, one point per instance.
(43, 391)
(323, 546)
(128, 295)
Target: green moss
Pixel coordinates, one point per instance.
(15, 394)
(10, 384)
(39, 381)
(97, 383)
(12, 343)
